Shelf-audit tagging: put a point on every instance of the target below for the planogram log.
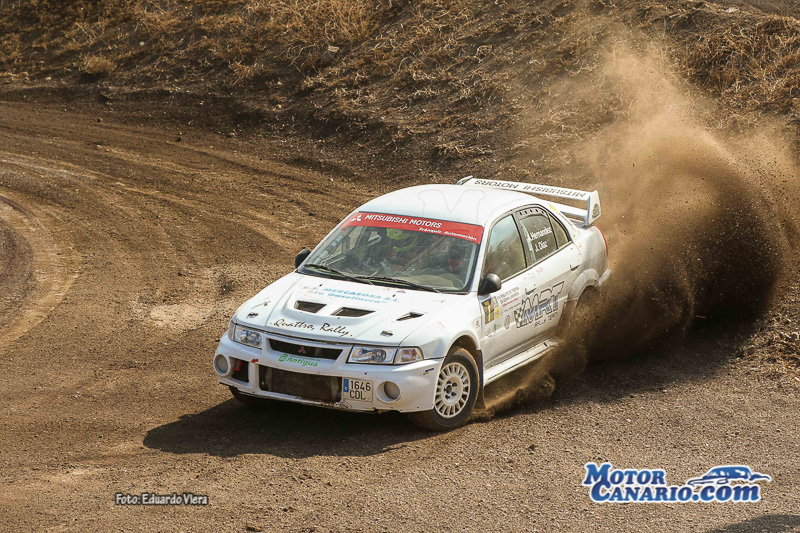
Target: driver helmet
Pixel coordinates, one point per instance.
(404, 239)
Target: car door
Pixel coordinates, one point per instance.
(555, 261)
(505, 256)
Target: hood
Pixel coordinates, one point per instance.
(342, 311)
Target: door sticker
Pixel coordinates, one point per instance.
(539, 308)
(491, 310)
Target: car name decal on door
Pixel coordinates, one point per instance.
(535, 307)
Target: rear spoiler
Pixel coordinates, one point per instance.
(592, 199)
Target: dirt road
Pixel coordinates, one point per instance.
(124, 251)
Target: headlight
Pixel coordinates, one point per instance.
(373, 355)
(408, 355)
(245, 336)
(384, 356)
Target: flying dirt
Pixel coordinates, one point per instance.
(701, 229)
(703, 223)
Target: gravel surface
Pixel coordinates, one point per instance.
(125, 251)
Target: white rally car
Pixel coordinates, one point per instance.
(419, 299)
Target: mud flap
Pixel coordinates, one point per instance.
(480, 402)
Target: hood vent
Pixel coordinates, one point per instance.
(409, 316)
(308, 307)
(349, 311)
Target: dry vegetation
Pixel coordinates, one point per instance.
(456, 73)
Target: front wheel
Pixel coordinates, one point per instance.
(456, 393)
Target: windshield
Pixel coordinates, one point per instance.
(399, 251)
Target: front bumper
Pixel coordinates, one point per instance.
(316, 381)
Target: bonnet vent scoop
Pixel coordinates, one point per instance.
(350, 311)
(409, 316)
(308, 307)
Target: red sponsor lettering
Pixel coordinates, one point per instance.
(468, 232)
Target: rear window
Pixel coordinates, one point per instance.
(539, 236)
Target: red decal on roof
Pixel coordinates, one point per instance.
(469, 232)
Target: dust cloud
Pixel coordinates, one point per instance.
(700, 221)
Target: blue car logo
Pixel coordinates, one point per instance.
(722, 475)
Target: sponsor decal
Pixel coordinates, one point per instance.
(491, 310)
(596, 210)
(281, 323)
(339, 330)
(468, 232)
(311, 290)
(531, 188)
(508, 298)
(342, 331)
(539, 308)
(507, 323)
(726, 483)
(252, 314)
(297, 360)
(428, 370)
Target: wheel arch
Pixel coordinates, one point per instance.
(586, 282)
(471, 345)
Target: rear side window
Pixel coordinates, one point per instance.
(539, 236)
(504, 253)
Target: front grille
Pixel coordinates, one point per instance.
(307, 386)
(305, 351)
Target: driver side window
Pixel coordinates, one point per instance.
(336, 252)
(504, 253)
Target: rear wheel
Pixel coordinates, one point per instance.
(571, 353)
(456, 391)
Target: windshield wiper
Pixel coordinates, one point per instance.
(330, 270)
(401, 282)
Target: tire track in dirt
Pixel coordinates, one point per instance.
(53, 263)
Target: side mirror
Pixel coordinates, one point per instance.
(489, 283)
(298, 260)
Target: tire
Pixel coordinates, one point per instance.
(571, 354)
(456, 392)
(249, 401)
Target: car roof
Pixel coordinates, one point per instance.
(456, 203)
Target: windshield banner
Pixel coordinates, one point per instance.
(468, 232)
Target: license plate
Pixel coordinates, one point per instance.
(359, 390)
